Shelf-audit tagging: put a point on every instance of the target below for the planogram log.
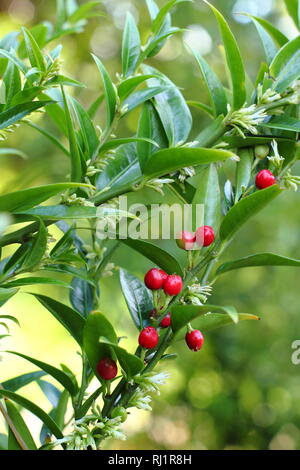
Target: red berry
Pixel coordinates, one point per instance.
(186, 240)
(173, 285)
(194, 339)
(205, 235)
(166, 321)
(163, 274)
(154, 279)
(148, 337)
(107, 368)
(264, 179)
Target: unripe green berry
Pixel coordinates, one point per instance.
(261, 151)
(119, 411)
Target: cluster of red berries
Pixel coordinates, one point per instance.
(156, 279)
(204, 236)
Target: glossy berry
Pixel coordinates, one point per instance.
(194, 339)
(186, 240)
(148, 337)
(264, 179)
(205, 235)
(173, 285)
(261, 151)
(166, 321)
(163, 274)
(155, 279)
(107, 368)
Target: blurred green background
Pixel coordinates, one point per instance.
(242, 391)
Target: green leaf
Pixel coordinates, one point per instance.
(139, 97)
(82, 296)
(61, 80)
(286, 123)
(211, 321)
(27, 198)
(208, 194)
(76, 168)
(269, 46)
(243, 172)
(214, 86)
(61, 212)
(181, 315)
(36, 410)
(85, 11)
(124, 169)
(12, 82)
(38, 249)
(279, 38)
(57, 374)
(129, 85)
(138, 298)
(22, 380)
(10, 318)
(12, 57)
(9, 151)
(57, 414)
(212, 133)
(69, 318)
(34, 52)
(160, 18)
(150, 127)
(171, 107)
(6, 294)
(13, 115)
(245, 209)
(117, 142)
(250, 141)
(109, 91)
(204, 107)
(156, 254)
(285, 68)
(156, 44)
(29, 281)
(21, 428)
(169, 160)
(293, 10)
(234, 60)
(87, 129)
(97, 326)
(131, 46)
(259, 259)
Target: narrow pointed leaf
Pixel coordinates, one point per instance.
(109, 91)
(27, 198)
(214, 86)
(57, 374)
(33, 408)
(22, 380)
(131, 46)
(169, 160)
(156, 254)
(245, 209)
(69, 318)
(234, 60)
(259, 259)
(138, 298)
